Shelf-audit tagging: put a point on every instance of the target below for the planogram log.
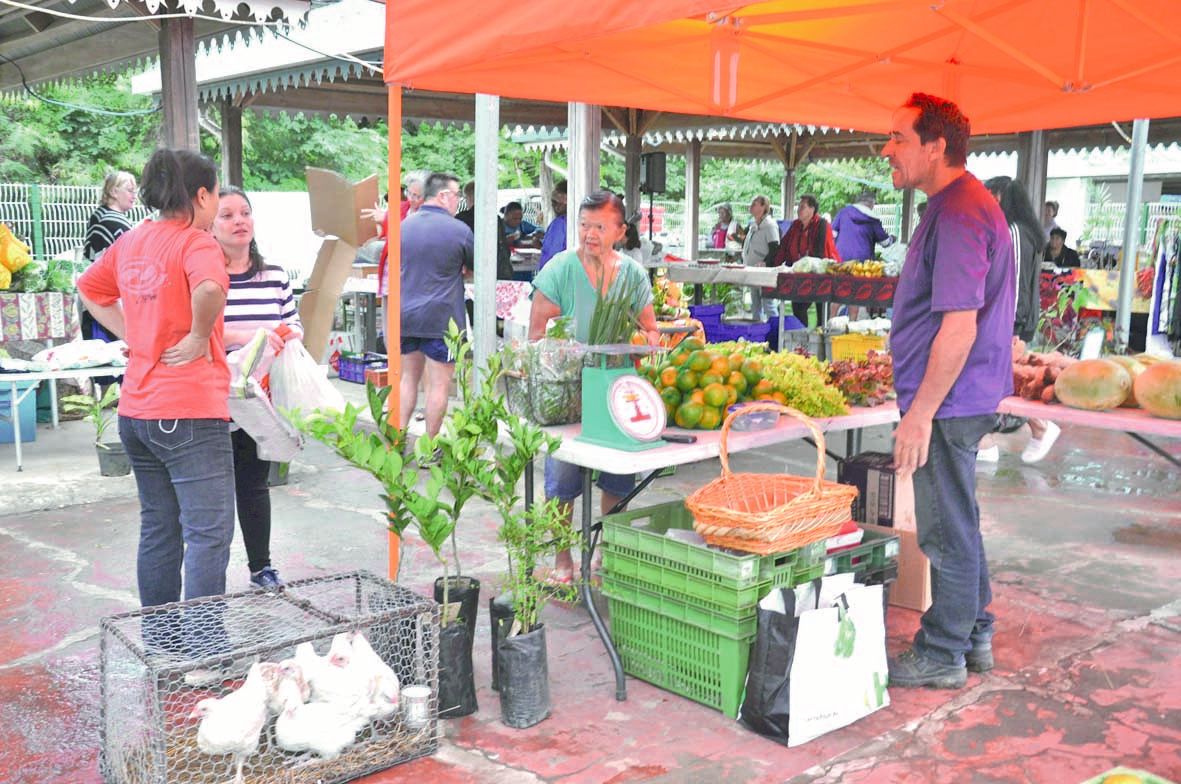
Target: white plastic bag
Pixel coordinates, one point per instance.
(297, 382)
(276, 438)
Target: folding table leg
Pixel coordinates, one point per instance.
(1141, 439)
(14, 410)
(587, 598)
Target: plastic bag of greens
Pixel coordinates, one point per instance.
(33, 277)
(61, 277)
(543, 380)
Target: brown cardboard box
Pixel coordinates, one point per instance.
(337, 203)
(318, 305)
(336, 206)
(912, 589)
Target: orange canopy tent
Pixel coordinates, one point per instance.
(1011, 65)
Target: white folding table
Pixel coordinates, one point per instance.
(15, 396)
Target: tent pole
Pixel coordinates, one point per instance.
(1127, 270)
(585, 126)
(633, 146)
(692, 197)
(487, 146)
(392, 304)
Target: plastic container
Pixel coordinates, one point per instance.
(353, 366)
(755, 420)
(704, 666)
(751, 331)
(653, 574)
(815, 343)
(641, 534)
(876, 552)
(854, 346)
(739, 625)
(26, 410)
(708, 315)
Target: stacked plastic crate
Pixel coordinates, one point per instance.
(683, 615)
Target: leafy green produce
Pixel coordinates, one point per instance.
(61, 278)
(543, 381)
(33, 277)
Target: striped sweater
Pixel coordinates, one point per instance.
(262, 300)
(102, 229)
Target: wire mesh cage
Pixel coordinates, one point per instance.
(201, 691)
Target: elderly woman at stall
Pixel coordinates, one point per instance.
(808, 235)
(105, 225)
(572, 284)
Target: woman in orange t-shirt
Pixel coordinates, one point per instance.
(161, 287)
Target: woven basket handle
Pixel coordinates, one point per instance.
(817, 436)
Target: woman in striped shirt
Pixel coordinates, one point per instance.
(259, 296)
(106, 224)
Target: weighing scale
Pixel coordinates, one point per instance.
(620, 409)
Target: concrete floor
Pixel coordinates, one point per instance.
(1086, 556)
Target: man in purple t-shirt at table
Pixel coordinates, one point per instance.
(953, 318)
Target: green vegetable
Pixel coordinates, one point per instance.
(33, 277)
(61, 278)
(614, 320)
(543, 381)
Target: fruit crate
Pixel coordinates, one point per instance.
(702, 665)
(641, 534)
(854, 346)
(708, 315)
(876, 551)
(736, 625)
(751, 331)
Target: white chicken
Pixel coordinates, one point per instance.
(332, 680)
(384, 694)
(274, 674)
(323, 728)
(232, 724)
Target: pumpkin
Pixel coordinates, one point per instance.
(1093, 384)
(1158, 390)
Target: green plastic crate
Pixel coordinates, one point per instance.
(701, 665)
(733, 569)
(736, 625)
(876, 552)
(688, 584)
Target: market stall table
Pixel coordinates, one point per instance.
(650, 462)
(1135, 422)
(15, 396)
(876, 292)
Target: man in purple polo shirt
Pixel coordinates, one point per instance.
(953, 318)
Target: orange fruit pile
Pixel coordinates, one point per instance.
(697, 385)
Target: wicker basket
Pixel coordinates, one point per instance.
(770, 513)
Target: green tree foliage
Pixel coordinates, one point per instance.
(837, 183)
(277, 148)
(44, 142)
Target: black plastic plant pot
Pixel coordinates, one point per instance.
(457, 684)
(524, 679)
(113, 459)
(464, 591)
(500, 611)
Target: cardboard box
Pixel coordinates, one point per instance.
(336, 206)
(872, 473)
(378, 377)
(912, 589)
(337, 203)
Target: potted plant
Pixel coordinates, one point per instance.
(529, 535)
(112, 457)
(407, 502)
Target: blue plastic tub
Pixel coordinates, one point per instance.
(26, 410)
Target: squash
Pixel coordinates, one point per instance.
(1158, 390)
(1134, 368)
(1093, 384)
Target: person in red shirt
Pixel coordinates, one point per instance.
(161, 287)
(808, 235)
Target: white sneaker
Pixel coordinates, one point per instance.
(1038, 448)
(990, 454)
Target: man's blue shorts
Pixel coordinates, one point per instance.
(563, 481)
(434, 348)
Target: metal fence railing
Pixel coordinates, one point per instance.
(51, 219)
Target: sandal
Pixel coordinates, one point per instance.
(558, 578)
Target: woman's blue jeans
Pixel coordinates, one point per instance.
(949, 534)
(184, 470)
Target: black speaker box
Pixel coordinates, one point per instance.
(652, 172)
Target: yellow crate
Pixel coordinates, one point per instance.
(854, 346)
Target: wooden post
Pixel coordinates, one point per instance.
(586, 131)
(1033, 158)
(178, 84)
(393, 302)
(231, 142)
(633, 147)
(692, 197)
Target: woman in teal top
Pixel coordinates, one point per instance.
(567, 286)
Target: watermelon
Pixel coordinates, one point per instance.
(1134, 368)
(1093, 384)
(1158, 390)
